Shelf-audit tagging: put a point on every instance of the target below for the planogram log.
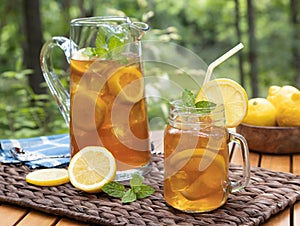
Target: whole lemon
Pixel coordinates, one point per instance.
(279, 95)
(261, 112)
(288, 114)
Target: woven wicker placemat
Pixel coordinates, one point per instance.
(268, 193)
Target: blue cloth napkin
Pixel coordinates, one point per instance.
(46, 146)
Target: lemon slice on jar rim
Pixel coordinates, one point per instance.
(231, 94)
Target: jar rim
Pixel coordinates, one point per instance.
(193, 116)
(178, 104)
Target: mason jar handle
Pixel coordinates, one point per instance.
(59, 92)
(241, 141)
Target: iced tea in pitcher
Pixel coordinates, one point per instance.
(108, 109)
(105, 105)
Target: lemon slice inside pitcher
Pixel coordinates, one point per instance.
(88, 110)
(127, 83)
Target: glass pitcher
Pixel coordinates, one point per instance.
(197, 158)
(105, 105)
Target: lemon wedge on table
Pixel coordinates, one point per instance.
(48, 177)
(91, 168)
(231, 94)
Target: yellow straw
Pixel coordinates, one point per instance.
(221, 59)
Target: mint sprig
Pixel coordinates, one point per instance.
(188, 98)
(138, 189)
(203, 106)
(109, 42)
(114, 189)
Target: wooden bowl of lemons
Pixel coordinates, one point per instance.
(271, 139)
(272, 124)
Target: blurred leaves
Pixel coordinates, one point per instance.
(23, 113)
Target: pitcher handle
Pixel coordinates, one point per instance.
(241, 141)
(59, 92)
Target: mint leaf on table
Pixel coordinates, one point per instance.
(129, 196)
(114, 189)
(138, 189)
(143, 191)
(136, 180)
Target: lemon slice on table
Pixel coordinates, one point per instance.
(48, 177)
(233, 96)
(91, 168)
(128, 83)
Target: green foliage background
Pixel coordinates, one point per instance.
(206, 27)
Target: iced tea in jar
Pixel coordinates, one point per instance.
(106, 103)
(196, 158)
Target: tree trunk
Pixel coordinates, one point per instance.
(33, 44)
(239, 36)
(252, 49)
(294, 4)
(86, 12)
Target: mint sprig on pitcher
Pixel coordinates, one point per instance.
(109, 42)
(203, 106)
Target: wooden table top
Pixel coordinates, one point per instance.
(14, 215)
